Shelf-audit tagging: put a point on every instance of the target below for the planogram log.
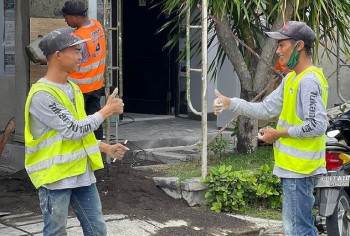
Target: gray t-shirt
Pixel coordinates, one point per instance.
(309, 108)
(43, 119)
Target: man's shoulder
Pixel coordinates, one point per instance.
(92, 25)
(310, 77)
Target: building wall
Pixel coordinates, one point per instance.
(329, 66)
(42, 21)
(42, 26)
(46, 9)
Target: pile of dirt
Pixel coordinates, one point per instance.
(123, 190)
(17, 194)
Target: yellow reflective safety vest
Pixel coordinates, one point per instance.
(52, 157)
(299, 155)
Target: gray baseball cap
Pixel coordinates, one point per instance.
(58, 40)
(296, 30)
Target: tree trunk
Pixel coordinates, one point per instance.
(248, 128)
(268, 51)
(230, 47)
(247, 131)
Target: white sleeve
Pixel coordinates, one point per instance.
(270, 107)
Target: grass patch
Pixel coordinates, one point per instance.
(262, 213)
(186, 170)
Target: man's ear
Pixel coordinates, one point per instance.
(57, 55)
(300, 45)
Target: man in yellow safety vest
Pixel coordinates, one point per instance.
(299, 138)
(61, 151)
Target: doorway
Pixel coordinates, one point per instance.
(148, 70)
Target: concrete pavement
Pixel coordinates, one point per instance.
(122, 225)
(118, 225)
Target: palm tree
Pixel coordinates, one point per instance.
(248, 19)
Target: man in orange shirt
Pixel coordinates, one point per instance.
(90, 76)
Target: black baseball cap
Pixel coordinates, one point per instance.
(58, 40)
(73, 8)
(296, 30)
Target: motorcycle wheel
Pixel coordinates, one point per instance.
(337, 225)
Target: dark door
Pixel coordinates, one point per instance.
(147, 79)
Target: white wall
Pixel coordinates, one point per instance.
(329, 65)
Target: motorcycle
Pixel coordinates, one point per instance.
(332, 190)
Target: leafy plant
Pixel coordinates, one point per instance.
(234, 190)
(218, 146)
(234, 128)
(227, 190)
(268, 189)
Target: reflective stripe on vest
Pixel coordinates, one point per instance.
(52, 157)
(90, 76)
(87, 68)
(61, 159)
(303, 155)
(86, 81)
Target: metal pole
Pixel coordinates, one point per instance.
(120, 49)
(188, 62)
(106, 19)
(119, 61)
(204, 88)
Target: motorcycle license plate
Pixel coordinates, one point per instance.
(332, 181)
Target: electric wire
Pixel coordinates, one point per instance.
(136, 160)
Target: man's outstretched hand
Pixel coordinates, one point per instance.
(220, 103)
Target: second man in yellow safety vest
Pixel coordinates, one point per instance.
(299, 138)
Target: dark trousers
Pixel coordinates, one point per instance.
(92, 105)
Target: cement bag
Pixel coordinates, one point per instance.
(34, 52)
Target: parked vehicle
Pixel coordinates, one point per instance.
(332, 190)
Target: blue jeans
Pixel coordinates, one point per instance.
(87, 206)
(298, 201)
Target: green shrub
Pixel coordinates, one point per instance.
(218, 147)
(268, 187)
(233, 190)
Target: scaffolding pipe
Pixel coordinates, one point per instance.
(188, 62)
(120, 50)
(107, 92)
